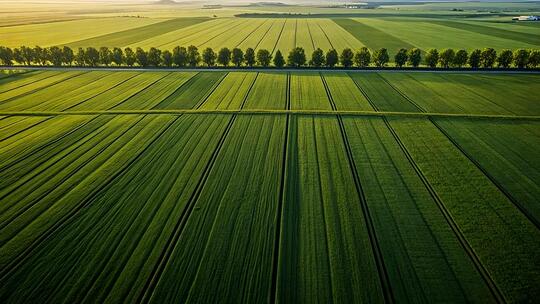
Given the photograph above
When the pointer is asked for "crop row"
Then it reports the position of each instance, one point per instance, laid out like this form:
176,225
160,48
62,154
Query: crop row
291,208
434,92
276,33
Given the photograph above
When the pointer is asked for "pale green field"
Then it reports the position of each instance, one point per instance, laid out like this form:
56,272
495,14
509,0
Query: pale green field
168,26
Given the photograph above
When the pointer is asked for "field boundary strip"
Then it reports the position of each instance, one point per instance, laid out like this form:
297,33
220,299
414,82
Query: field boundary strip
370,69
273,112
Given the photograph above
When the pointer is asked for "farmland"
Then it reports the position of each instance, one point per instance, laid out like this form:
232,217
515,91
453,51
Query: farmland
278,33
134,186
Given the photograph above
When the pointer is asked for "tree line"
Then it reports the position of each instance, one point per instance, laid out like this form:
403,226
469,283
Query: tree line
296,58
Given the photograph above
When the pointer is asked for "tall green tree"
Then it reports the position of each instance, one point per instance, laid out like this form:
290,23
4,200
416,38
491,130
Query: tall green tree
279,61
446,58
17,56
26,55
297,57
381,57
224,57
461,58
67,55
249,57
264,58
91,56
117,56
504,59
317,58
401,58
80,57
6,55
130,57
488,57
56,55
154,57
193,55
414,57
105,55
534,59
237,57
40,55
521,58
180,56
474,58
362,58
209,57
141,57
346,58
167,58
332,58
432,57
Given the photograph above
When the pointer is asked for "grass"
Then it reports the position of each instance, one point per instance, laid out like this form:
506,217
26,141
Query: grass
372,37
66,32
136,35
268,186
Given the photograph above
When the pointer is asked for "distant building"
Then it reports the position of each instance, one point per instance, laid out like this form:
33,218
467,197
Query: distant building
526,18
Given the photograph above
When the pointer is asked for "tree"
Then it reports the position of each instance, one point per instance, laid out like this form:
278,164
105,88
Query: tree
297,57
264,57
363,57
26,55
237,57
17,56
91,56
67,55
534,59
40,55
401,58
488,57
249,57
167,58
56,55
224,56
180,56
80,57
141,57
105,55
317,58
332,58
474,58
117,56
6,56
432,57
381,57
193,56
130,57
209,57
460,59
446,58
414,57
521,58
279,61
504,60
154,57
346,58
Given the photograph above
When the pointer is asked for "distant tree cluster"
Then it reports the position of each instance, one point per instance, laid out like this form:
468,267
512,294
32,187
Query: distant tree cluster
297,57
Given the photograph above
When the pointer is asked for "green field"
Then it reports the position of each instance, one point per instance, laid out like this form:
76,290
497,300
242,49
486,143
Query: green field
326,29
261,187
268,185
